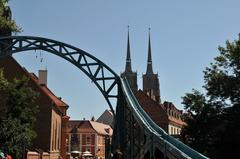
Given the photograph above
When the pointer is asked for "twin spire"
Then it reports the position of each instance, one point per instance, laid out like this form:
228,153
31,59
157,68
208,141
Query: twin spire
128,67
149,60
150,80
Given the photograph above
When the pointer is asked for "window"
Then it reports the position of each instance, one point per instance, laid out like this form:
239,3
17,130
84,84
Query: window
88,140
100,138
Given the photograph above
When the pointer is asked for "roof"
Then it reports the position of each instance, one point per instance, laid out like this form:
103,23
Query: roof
152,108
89,126
9,60
174,114
106,118
170,105
101,128
158,112
57,100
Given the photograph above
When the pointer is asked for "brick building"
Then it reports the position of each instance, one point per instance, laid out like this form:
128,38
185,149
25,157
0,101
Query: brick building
52,117
86,135
165,114
175,118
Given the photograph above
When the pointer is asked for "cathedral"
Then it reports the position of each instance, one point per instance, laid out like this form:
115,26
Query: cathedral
150,80
165,114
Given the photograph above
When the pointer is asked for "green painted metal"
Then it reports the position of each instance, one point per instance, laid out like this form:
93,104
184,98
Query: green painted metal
95,69
172,146
135,134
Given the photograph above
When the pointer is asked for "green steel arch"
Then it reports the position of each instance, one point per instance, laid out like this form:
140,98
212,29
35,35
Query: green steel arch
103,76
137,136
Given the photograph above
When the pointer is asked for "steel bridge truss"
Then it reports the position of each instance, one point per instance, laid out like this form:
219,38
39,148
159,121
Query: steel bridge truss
135,134
104,78
138,137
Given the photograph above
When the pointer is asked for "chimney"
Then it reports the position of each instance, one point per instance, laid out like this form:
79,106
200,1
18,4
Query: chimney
42,77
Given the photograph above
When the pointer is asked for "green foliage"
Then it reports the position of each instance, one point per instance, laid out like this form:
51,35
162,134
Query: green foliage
18,115
6,23
213,119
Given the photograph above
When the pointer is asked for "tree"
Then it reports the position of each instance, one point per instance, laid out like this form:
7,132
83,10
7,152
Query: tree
18,115
7,25
213,118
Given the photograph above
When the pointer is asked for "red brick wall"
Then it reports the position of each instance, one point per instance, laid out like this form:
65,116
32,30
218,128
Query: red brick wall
83,139
13,70
92,139
83,148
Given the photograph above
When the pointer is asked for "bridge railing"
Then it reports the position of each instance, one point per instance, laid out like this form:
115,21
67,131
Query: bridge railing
172,145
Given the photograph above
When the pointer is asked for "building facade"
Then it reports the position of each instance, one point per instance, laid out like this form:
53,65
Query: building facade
165,115
175,118
87,136
52,116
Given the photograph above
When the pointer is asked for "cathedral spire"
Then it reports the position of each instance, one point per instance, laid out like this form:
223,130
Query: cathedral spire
128,67
149,60
128,73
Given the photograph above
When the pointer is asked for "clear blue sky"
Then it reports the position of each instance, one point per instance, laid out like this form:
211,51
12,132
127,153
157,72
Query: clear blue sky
185,36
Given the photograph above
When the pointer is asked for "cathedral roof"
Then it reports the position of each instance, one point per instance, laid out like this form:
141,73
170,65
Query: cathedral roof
152,108
159,113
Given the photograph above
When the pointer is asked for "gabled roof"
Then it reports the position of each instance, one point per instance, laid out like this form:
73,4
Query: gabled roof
88,126
106,118
169,105
101,128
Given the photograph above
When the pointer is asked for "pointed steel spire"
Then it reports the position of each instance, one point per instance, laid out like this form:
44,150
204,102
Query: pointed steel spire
128,67
149,60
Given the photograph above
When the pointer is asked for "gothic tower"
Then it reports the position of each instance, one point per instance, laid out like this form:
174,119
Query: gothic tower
128,73
150,80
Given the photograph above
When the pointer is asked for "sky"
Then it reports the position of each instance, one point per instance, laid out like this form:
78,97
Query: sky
185,36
